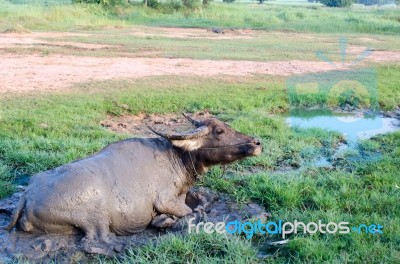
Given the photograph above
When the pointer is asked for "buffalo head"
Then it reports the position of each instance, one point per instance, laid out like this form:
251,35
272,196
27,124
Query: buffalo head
213,142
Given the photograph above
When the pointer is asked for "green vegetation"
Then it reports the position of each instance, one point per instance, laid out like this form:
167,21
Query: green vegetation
40,131
268,16
102,2
238,45
200,248
337,3
64,127
366,195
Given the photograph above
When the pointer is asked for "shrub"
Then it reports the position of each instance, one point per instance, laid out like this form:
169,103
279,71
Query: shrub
228,1
191,4
87,1
103,2
349,99
337,3
171,6
153,4
111,2
206,2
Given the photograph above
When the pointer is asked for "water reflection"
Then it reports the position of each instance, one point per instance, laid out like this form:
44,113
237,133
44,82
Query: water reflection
353,126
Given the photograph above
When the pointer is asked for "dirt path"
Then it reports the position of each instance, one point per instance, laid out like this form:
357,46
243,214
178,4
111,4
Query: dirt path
30,73
34,73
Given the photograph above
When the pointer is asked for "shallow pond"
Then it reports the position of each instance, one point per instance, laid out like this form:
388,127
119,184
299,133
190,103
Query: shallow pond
352,126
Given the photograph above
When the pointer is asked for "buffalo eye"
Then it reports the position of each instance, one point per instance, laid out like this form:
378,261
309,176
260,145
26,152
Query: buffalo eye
220,131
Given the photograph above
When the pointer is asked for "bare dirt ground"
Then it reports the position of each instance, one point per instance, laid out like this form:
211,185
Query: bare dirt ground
31,73
137,125
28,39
34,72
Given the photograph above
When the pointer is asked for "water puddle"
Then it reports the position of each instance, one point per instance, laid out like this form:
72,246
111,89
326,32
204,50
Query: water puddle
354,126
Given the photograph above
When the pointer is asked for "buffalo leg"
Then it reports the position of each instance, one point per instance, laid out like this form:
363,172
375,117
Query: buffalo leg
163,221
169,204
98,238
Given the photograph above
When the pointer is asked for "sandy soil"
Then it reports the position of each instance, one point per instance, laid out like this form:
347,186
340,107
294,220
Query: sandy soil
374,55
20,74
34,72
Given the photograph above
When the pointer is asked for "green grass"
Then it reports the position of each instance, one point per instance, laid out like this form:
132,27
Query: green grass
195,248
96,24
42,131
388,84
260,46
368,195
241,15
54,17
66,126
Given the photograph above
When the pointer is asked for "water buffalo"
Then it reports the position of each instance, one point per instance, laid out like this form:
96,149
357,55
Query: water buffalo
124,187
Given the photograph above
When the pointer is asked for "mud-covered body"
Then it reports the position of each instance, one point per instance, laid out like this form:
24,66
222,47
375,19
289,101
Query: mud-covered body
119,187
129,184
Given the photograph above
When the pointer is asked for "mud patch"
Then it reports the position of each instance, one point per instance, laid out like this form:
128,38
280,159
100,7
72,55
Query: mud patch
68,249
138,124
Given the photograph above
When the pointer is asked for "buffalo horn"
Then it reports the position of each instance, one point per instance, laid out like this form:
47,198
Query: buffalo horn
194,122
196,133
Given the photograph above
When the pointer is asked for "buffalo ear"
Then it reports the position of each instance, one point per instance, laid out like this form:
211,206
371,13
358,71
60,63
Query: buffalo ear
188,144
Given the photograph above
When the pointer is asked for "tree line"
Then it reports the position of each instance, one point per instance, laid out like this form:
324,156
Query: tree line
193,4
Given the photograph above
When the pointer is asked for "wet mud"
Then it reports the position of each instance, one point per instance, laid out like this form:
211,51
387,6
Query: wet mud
69,249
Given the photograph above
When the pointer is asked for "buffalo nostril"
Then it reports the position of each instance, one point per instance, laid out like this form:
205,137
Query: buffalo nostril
257,142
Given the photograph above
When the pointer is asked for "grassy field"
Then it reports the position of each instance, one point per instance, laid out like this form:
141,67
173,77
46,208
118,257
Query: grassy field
66,126
309,18
40,131
238,45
